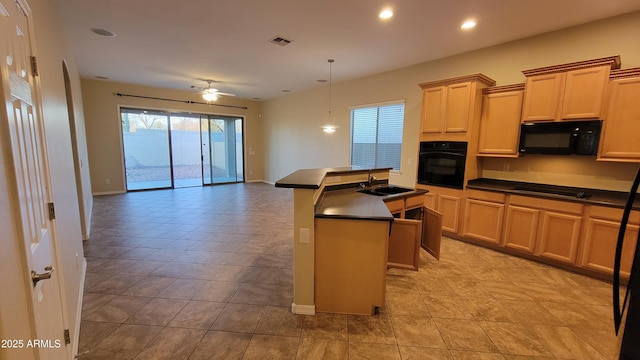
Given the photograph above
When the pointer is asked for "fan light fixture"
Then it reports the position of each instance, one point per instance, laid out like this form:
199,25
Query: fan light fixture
209,94
329,128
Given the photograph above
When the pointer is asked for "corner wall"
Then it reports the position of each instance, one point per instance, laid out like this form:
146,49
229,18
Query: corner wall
293,139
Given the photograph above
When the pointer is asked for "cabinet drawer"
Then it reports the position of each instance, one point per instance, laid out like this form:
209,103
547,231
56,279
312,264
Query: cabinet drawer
395,205
414,201
486,195
546,204
613,214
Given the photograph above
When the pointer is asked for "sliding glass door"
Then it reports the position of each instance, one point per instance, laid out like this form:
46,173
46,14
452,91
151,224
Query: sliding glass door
185,150
172,150
222,144
147,154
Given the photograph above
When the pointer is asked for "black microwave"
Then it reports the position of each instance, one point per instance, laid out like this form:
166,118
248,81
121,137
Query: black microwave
560,138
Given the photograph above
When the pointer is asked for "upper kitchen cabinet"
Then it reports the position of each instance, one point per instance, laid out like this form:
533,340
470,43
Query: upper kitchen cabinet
449,106
571,91
619,140
500,121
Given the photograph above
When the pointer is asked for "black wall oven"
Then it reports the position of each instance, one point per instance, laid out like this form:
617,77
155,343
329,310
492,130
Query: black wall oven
441,163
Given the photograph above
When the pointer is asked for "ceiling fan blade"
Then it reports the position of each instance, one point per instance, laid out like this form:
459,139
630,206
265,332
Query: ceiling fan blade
224,94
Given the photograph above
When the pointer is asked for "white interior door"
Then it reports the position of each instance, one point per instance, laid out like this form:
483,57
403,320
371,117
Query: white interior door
27,147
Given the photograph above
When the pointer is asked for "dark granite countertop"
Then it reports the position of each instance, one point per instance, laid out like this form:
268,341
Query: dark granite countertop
566,193
348,203
312,178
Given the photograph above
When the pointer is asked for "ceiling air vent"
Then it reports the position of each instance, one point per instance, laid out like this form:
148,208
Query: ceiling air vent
279,40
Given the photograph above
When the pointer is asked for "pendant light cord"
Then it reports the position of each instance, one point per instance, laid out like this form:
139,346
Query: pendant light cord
330,82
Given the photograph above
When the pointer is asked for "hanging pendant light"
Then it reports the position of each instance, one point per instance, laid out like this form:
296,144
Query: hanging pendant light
329,127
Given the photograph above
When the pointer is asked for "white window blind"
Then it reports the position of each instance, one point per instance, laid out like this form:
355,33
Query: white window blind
376,135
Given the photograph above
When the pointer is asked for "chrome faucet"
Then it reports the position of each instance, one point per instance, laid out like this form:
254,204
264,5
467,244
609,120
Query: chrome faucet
371,178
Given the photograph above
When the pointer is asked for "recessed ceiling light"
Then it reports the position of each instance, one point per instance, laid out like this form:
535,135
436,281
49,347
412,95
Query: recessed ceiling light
469,24
103,32
286,90
385,14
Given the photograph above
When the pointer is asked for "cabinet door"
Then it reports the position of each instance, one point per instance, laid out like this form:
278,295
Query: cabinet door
483,220
430,200
500,124
600,242
584,93
404,244
433,109
559,236
521,228
431,231
542,96
622,124
458,107
450,207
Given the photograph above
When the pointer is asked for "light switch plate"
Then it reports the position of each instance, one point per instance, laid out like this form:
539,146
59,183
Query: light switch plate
304,236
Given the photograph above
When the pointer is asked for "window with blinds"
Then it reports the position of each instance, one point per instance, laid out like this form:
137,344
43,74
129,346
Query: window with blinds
376,135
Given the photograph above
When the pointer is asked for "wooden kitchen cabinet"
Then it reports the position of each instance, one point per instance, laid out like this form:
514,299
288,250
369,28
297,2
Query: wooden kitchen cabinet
585,92
412,227
549,228
600,236
449,106
559,236
484,213
404,244
350,265
500,121
449,203
521,228
542,97
573,91
434,102
619,139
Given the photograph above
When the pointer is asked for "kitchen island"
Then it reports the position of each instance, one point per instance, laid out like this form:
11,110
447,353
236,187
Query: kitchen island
341,238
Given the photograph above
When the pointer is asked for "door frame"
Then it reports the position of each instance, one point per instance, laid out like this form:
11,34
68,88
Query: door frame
170,111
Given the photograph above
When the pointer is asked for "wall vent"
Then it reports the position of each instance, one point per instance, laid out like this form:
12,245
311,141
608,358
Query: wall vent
279,40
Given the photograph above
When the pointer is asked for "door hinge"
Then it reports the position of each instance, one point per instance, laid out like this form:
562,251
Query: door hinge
67,337
34,66
52,211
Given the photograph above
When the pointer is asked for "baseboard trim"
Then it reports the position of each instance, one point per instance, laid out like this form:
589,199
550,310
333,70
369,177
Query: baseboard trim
102,193
76,335
303,309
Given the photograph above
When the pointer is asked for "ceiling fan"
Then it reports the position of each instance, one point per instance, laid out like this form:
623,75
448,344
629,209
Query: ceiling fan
211,94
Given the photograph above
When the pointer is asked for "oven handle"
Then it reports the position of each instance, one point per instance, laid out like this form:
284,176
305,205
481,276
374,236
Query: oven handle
440,153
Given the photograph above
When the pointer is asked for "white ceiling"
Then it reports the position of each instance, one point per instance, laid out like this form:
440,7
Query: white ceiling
176,44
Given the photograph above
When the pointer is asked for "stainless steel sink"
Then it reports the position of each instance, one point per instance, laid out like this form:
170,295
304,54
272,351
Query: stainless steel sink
385,190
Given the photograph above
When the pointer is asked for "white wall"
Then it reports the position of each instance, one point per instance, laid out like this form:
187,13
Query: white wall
293,139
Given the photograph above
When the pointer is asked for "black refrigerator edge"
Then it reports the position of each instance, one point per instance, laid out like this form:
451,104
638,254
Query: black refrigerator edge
626,315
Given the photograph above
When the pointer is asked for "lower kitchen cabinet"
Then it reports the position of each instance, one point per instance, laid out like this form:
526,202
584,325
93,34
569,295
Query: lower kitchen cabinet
484,213
404,244
521,228
550,228
567,232
449,203
559,236
414,225
600,236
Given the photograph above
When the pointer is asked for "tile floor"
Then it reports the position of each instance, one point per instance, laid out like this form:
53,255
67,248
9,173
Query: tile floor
206,273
